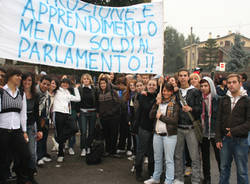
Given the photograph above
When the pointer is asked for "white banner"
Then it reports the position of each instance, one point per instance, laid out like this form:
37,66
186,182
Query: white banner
78,35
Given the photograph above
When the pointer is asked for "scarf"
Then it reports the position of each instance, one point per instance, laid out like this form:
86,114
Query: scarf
203,115
170,108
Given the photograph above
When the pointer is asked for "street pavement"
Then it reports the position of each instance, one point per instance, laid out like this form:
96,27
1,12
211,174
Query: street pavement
74,170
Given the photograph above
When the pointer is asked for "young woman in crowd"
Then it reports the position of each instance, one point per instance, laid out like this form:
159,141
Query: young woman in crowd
34,132
173,81
87,109
145,129
62,112
128,101
195,80
109,109
165,112
54,85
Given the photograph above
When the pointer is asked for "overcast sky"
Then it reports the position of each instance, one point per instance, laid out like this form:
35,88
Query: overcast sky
216,16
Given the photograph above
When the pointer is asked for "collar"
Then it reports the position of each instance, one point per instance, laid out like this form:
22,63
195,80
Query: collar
243,92
89,86
6,87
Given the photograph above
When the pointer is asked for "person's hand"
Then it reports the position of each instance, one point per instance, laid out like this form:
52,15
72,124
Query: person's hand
186,108
144,93
158,99
25,135
39,135
97,115
219,145
176,89
158,115
228,132
77,85
161,80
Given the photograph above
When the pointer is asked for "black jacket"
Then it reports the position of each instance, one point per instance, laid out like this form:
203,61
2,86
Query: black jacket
238,120
193,99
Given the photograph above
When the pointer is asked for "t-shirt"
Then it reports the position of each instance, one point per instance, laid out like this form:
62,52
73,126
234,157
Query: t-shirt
161,126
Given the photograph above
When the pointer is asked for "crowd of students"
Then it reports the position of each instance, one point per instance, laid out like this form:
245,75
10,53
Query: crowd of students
140,115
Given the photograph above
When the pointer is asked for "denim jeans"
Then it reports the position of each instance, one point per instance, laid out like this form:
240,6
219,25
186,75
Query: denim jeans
187,135
166,145
87,123
145,147
31,131
42,144
237,149
249,138
72,141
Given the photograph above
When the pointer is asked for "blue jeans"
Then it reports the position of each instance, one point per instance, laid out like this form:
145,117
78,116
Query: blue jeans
236,148
166,145
72,141
42,144
87,123
31,131
249,138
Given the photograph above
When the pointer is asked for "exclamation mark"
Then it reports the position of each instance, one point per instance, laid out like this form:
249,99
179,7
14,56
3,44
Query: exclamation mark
152,64
146,64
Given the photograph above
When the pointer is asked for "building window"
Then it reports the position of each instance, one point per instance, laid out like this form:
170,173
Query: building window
227,43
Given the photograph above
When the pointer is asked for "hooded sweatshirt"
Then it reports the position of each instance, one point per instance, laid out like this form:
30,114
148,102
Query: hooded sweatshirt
209,110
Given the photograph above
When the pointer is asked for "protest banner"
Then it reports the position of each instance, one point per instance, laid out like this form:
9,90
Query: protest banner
78,35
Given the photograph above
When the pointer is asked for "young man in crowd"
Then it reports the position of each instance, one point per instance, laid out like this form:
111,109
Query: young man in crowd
44,110
186,129
210,102
13,136
232,126
245,83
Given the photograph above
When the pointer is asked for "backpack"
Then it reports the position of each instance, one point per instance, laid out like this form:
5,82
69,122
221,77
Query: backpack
95,157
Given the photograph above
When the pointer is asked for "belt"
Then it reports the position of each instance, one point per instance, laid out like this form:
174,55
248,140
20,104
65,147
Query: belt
186,128
10,130
161,134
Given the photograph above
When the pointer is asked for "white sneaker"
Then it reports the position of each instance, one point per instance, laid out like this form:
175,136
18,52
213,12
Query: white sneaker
120,151
46,159
88,151
178,182
83,153
60,159
151,181
40,162
56,145
71,151
129,153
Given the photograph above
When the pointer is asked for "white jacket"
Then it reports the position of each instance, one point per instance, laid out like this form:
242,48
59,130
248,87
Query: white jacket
63,98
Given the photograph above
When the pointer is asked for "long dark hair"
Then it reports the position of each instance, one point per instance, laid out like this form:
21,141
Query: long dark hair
33,86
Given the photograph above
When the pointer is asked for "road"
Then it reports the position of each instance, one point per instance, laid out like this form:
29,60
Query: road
74,170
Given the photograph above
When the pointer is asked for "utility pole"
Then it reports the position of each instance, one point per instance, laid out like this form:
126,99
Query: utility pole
191,42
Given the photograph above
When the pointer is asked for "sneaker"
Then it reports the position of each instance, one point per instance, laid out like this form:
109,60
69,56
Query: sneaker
188,171
83,153
60,159
71,151
129,153
120,151
146,160
46,159
56,145
131,158
88,151
178,182
151,181
40,162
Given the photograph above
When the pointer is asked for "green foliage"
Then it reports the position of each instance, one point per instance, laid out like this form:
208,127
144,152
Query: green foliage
195,39
239,59
210,55
173,54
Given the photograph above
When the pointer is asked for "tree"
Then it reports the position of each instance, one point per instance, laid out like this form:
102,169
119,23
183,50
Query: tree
239,59
195,39
173,54
210,54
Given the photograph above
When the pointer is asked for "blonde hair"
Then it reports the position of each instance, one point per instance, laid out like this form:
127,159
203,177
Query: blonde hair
88,76
195,75
102,75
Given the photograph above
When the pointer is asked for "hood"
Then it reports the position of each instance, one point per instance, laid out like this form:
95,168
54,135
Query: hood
212,86
243,92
